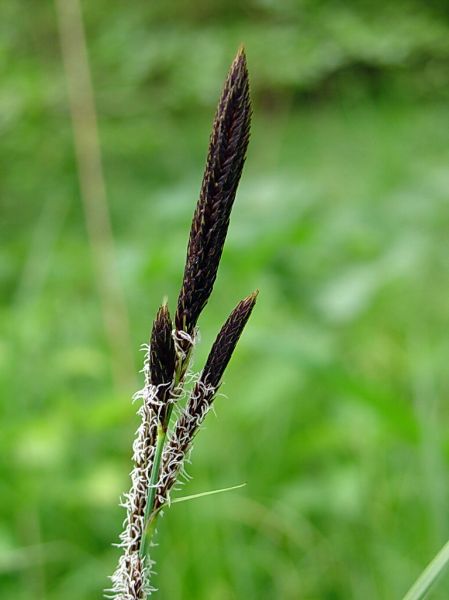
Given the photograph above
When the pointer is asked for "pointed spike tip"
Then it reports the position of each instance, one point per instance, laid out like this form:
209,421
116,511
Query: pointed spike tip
241,53
162,312
239,64
227,339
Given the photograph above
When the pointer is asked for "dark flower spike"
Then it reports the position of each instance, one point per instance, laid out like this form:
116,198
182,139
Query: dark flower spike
162,360
201,399
225,159
162,349
226,342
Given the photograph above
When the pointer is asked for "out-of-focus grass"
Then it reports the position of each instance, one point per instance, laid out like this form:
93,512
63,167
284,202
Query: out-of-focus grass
336,415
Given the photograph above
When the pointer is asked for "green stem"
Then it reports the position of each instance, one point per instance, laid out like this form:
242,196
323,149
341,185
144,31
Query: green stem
150,516
152,488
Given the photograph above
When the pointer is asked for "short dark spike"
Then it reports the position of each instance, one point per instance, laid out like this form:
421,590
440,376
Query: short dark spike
226,341
162,349
225,160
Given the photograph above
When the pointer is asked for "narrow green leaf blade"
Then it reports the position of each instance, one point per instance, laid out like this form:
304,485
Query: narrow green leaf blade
429,576
210,493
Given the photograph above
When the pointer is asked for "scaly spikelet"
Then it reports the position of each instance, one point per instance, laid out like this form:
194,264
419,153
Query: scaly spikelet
225,160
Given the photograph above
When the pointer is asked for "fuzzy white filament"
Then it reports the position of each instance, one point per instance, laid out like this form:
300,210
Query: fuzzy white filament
131,578
177,450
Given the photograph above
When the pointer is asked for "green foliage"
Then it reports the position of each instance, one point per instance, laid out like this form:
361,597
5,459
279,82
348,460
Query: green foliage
336,414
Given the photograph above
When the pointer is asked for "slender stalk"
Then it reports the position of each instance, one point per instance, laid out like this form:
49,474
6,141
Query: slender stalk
152,488
150,514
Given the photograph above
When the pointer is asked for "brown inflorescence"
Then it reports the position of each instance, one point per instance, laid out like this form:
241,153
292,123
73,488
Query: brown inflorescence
158,460
225,160
162,361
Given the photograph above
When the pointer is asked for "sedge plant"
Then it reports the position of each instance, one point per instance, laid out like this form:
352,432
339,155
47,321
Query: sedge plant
163,442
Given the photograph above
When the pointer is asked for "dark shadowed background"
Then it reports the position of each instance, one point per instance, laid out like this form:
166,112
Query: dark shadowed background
337,413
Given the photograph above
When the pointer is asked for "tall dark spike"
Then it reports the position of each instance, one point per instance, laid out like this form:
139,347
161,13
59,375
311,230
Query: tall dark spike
225,160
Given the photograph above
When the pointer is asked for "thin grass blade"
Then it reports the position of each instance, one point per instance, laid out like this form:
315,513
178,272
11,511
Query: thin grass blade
429,576
209,493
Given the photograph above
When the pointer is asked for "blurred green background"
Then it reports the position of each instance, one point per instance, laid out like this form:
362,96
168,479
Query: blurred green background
337,414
